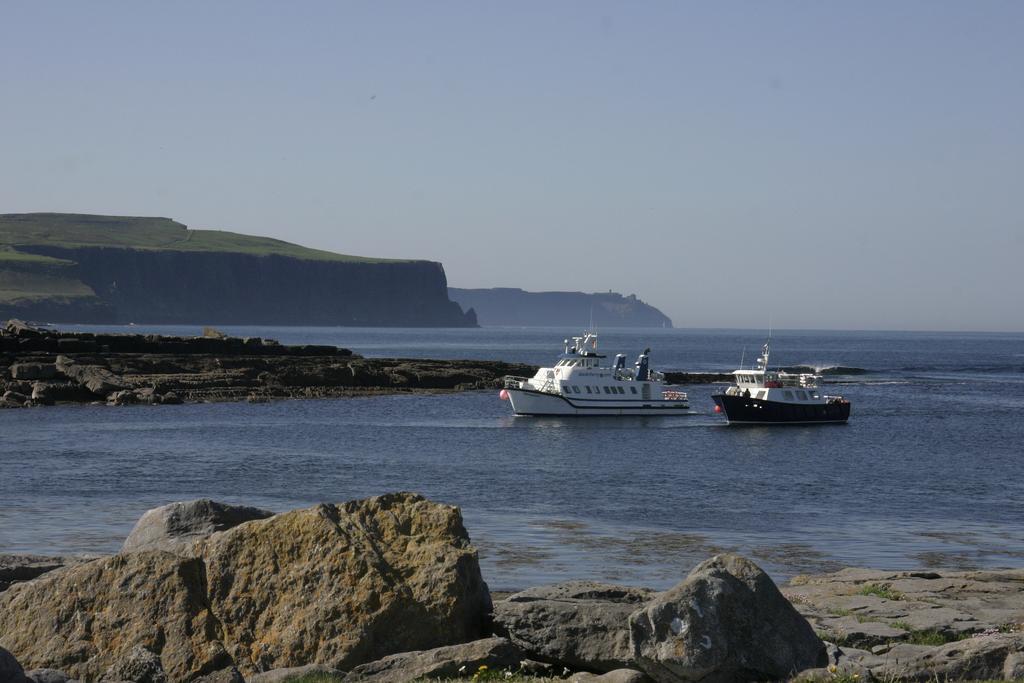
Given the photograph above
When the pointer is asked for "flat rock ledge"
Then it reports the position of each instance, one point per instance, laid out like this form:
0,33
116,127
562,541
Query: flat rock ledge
41,367
389,589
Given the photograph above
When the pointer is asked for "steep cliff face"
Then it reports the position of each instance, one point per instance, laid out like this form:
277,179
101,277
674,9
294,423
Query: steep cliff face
508,306
135,285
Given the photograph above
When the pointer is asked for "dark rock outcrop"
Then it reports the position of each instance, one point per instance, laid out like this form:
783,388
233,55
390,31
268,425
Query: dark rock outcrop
616,676
125,369
726,622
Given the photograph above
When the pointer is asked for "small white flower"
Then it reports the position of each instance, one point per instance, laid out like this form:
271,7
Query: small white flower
462,669
508,674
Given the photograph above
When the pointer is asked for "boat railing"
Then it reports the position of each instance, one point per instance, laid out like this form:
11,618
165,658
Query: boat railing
785,379
514,382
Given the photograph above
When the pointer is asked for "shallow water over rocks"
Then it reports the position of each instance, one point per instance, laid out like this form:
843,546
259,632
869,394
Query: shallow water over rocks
927,473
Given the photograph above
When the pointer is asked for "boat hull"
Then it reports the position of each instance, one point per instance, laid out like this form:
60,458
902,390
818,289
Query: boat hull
527,402
744,410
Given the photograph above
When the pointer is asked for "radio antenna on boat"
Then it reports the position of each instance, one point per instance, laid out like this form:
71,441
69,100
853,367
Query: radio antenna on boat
743,356
762,360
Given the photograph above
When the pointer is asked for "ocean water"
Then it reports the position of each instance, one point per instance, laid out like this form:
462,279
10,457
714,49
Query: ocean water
929,472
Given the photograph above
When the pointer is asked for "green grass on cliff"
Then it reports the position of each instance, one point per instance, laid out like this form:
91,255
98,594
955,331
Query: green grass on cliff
28,277
133,232
9,256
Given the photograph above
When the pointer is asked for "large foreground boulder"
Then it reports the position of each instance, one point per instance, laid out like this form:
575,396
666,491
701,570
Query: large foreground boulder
175,527
726,622
339,585
85,619
346,584
578,624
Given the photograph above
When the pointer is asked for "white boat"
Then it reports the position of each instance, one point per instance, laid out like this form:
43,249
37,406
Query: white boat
579,385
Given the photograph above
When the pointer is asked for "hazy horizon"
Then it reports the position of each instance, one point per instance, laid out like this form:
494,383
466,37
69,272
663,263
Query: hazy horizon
827,166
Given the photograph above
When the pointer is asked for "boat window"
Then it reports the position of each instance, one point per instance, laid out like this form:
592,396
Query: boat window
607,390
620,390
575,389
633,389
788,395
589,391
566,389
803,395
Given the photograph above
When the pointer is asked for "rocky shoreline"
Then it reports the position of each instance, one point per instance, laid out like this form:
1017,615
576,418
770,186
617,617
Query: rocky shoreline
42,367
390,589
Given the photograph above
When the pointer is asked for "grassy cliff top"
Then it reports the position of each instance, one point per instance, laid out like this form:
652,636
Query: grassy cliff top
133,232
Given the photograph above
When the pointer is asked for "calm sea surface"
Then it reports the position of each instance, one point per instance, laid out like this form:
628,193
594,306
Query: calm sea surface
929,471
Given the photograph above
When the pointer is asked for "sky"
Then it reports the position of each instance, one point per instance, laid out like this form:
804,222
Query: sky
821,165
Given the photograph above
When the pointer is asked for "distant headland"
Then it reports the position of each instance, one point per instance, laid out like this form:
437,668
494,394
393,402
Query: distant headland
515,307
85,268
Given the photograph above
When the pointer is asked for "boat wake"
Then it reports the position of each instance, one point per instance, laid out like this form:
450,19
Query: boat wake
826,370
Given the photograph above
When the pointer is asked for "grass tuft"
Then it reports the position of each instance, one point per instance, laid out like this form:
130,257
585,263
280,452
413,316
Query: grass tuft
881,591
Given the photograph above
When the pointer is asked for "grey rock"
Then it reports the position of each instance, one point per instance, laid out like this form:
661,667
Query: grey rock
14,398
41,394
291,673
955,603
97,379
229,675
31,371
174,527
979,658
726,622
616,676
1013,667
578,624
17,568
10,669
138,666
20,328
48,676
122,398
843,662
443,662
863,634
